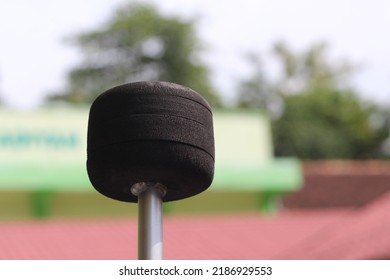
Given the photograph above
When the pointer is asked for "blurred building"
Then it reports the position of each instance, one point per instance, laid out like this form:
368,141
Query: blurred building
43,155
341,212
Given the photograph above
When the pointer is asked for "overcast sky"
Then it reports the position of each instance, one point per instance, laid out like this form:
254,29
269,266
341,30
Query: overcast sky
34,59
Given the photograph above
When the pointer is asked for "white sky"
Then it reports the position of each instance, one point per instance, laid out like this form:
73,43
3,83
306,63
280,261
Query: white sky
34,59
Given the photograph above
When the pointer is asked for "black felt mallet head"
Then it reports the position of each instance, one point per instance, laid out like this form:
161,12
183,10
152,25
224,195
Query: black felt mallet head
150,132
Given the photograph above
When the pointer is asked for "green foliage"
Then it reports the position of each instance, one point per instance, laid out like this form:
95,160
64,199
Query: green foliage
328,124
256,91
310,70
138,43
317,115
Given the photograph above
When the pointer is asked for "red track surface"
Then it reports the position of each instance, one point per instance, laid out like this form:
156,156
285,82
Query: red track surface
332,234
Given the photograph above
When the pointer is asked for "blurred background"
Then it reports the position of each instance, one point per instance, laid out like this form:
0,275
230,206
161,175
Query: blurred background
301,110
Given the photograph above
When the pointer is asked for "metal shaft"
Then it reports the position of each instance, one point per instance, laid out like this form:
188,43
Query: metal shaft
150,230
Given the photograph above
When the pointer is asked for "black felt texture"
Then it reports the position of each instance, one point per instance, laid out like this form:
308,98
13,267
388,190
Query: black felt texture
150,132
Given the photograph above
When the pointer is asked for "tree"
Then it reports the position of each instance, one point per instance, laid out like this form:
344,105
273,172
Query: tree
257,91
328,124
138,43
319,115
310,70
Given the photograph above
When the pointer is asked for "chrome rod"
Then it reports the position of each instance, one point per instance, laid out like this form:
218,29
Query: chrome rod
150,226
